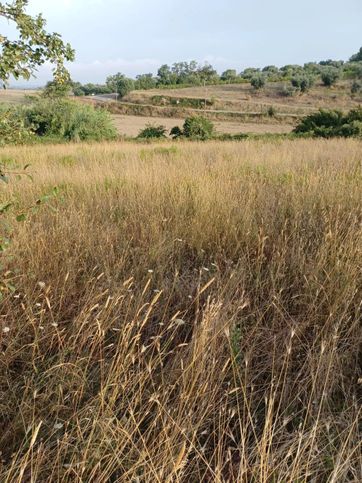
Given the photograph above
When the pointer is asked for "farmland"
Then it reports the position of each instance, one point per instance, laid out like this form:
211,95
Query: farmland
182,312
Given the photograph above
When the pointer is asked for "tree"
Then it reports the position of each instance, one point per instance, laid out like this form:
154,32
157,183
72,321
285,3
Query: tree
34,46
145,81
229,75
303,83
357,57
207,73
120,83
164,75
330,76
258,82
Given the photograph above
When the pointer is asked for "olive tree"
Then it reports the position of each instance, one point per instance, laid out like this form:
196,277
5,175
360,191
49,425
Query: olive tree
33,47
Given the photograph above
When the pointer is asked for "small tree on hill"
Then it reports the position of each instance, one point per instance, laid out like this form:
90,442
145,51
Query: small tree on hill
258,82
303,83
330,76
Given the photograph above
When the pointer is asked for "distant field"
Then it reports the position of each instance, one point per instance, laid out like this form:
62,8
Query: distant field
15,96
131,125
242,97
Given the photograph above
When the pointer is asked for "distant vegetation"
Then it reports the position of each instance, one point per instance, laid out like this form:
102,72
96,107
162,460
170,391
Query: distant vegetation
182,74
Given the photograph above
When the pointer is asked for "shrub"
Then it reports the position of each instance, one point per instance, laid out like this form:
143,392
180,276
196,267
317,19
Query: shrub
195,127
288,91
271,111
64,119
176,132
12,128
258,82
330,76
356,87
198,127
332,123
152,131
303,83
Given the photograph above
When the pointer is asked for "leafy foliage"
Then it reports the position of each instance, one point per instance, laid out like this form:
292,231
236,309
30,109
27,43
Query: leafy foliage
330,76
68,120
120,83
195,127
12,128
302,82
151,131
55,118
35,46
357,57
332,123
258,81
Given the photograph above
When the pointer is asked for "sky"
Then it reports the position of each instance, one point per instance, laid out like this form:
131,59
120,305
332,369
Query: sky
137,36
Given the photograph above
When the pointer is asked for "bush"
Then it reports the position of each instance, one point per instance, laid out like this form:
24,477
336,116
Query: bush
68,120
330,76
288,91
198,127
271,111
12,128
303,83
356,87
332,123
195,127
152,131
176,132
258,82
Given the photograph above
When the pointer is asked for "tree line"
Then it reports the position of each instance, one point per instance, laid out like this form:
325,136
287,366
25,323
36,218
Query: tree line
301,77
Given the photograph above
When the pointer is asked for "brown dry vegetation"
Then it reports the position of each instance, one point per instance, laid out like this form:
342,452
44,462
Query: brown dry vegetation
132,125
15,96
243,98
184,314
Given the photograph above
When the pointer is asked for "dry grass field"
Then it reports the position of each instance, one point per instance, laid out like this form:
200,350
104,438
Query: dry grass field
132,125
182,312
15,96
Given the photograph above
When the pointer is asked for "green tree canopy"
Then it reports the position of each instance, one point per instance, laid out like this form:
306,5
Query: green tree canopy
120,83
357,57
33,47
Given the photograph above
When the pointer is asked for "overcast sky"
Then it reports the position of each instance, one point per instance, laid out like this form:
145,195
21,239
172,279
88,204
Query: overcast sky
137,36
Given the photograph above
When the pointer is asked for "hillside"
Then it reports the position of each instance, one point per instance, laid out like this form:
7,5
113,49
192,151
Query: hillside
235,107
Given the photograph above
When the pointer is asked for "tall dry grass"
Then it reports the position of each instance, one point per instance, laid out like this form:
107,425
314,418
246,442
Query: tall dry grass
183,314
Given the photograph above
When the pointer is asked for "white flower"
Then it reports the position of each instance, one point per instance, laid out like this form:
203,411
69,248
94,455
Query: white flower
41,284
6,330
